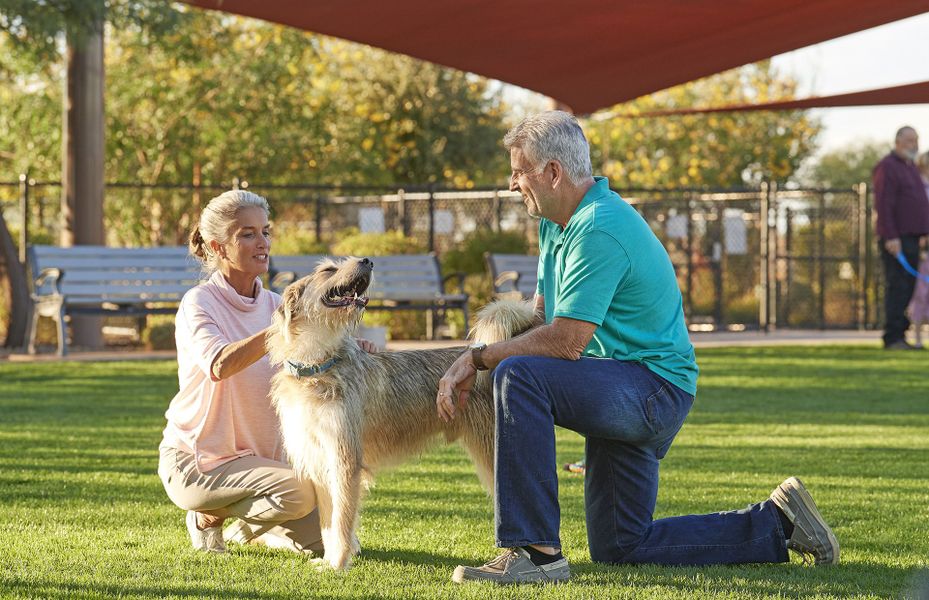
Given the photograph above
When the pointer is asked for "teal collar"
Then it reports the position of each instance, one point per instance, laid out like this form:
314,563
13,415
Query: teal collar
299,369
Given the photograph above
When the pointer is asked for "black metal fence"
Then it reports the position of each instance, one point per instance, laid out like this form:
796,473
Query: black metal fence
746,258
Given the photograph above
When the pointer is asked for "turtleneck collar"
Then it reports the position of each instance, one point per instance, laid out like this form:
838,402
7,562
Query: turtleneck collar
232,297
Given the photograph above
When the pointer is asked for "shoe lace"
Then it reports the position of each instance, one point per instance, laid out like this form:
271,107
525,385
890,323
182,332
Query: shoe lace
502,561
807,556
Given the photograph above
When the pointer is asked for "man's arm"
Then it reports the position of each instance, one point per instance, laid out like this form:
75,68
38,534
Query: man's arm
563,338
884,199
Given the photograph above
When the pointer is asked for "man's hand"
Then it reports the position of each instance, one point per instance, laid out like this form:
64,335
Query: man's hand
366,345
455,387
893,246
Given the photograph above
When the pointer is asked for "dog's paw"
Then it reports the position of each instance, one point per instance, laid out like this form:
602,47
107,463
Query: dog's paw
356,545
333,562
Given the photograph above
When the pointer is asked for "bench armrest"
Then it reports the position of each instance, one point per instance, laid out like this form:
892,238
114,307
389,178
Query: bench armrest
461,278
282,279
507,277
49,275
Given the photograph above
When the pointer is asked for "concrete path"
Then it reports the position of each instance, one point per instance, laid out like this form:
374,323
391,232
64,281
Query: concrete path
716,339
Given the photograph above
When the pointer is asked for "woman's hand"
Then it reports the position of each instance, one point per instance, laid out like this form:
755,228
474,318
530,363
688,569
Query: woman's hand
366,345
455,387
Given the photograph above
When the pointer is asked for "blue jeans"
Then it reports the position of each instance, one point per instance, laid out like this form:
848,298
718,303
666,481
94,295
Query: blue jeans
629,416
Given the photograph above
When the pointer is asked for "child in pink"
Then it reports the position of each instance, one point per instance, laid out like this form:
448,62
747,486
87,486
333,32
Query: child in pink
919,303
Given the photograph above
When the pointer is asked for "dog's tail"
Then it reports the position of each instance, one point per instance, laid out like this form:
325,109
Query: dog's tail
502,319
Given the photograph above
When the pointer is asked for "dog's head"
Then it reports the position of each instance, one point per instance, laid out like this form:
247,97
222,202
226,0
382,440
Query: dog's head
324,307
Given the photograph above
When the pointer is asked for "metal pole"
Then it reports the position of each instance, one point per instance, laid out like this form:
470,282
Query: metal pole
318,203
719,254
24,211
401,206
863,226
431,218
821,260
771,222
764,274
688,293
495,224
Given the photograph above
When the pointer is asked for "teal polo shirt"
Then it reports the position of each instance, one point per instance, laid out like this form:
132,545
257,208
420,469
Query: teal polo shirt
608,268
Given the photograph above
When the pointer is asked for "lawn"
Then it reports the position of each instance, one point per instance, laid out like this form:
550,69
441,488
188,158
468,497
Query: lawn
83,515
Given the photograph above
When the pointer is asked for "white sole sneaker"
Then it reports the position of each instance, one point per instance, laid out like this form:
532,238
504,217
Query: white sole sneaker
205,540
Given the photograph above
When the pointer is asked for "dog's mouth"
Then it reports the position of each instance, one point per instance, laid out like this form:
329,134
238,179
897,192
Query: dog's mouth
350,294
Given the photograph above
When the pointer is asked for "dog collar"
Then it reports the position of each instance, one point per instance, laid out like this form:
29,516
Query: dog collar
299,369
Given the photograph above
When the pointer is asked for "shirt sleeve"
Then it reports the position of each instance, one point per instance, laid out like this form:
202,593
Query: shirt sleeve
204,338
885,192
596,265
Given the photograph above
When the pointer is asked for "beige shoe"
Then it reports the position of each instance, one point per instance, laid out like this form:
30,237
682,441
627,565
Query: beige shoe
514,566
209,539
812,538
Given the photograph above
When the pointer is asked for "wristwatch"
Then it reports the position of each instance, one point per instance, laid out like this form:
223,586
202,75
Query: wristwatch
476,350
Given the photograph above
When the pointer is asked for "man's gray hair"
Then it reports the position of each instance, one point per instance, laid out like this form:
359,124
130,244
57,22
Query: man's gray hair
553,135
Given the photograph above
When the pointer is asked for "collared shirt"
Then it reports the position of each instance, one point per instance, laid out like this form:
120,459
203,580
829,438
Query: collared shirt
607,267
899,199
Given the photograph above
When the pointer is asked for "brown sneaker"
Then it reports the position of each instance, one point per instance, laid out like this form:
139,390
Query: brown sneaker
514,566
811,538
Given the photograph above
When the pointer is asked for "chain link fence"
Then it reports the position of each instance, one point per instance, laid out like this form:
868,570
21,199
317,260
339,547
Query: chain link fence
745,259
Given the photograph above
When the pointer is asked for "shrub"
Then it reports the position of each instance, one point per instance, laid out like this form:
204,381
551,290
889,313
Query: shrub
159,332
353,243
291,239
468,257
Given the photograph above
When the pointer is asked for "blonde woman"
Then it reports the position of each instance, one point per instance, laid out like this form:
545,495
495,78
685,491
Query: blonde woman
221,456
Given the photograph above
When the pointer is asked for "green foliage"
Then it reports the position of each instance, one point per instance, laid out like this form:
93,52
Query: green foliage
355,243
291,239
468,255
846,168
159,332
725,149
85,515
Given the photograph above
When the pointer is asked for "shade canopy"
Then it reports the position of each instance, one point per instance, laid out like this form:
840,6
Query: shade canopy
911,93
586,54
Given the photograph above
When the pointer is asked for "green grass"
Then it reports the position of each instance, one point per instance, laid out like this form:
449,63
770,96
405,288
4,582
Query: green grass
83,515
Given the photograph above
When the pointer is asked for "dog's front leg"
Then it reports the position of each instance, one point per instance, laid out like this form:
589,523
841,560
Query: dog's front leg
344,483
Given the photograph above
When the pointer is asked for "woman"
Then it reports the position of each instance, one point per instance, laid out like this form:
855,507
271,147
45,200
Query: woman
221,455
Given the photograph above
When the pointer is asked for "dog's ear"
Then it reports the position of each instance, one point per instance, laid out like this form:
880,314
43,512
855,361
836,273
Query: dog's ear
289,301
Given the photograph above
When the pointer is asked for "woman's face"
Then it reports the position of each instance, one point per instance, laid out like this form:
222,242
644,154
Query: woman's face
249,245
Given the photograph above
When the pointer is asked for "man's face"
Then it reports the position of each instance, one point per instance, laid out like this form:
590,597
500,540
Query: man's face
527,180
907,144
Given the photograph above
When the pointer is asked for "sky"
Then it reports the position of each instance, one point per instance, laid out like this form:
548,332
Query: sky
892,54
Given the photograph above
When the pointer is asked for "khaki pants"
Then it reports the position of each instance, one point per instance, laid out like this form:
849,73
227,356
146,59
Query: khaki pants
263,494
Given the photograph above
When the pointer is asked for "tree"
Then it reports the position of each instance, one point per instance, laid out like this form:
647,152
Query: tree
847,167
724,149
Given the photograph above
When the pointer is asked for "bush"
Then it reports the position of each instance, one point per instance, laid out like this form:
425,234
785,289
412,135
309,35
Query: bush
290,239
353,243
159,332
468,257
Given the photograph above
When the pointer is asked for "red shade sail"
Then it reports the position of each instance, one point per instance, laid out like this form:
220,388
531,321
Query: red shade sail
913,93
586,54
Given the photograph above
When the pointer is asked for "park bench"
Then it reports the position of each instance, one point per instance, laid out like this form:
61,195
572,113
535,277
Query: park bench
513,273
98,280
401,282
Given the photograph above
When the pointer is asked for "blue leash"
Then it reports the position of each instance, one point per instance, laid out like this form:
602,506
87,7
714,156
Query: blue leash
909,268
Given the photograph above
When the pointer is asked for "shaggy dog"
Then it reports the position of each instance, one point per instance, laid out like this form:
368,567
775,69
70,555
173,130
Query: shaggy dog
346,413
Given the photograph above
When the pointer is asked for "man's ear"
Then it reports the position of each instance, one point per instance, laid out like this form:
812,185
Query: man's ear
558,175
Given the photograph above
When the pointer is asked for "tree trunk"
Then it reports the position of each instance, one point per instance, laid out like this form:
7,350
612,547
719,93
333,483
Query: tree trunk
19,292
82,159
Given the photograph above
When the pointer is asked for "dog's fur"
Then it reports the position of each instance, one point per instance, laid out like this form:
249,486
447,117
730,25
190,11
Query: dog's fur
369,410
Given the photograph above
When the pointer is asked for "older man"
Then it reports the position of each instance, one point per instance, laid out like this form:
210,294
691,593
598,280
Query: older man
612,361
902,219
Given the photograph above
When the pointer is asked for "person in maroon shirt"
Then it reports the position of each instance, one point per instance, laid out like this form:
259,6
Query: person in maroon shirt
902,220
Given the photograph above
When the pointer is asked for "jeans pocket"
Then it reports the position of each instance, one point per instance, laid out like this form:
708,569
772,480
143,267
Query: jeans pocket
660,410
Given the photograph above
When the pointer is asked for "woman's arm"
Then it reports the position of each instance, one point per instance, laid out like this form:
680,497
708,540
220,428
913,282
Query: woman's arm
239,355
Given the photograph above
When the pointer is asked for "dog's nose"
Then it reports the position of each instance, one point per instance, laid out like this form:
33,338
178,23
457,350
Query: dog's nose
367,262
